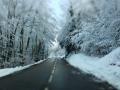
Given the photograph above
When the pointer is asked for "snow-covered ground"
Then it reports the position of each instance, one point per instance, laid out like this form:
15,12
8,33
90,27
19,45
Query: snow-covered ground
106,68
8,71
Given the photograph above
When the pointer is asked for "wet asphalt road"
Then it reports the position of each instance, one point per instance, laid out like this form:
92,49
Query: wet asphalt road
52,75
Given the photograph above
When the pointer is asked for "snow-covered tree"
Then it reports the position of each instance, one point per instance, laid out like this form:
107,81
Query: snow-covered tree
26,31
94,27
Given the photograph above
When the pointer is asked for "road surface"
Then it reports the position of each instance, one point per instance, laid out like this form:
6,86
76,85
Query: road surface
52,75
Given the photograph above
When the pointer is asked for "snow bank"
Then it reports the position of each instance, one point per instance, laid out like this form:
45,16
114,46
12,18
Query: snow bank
112,58
7,71
106,68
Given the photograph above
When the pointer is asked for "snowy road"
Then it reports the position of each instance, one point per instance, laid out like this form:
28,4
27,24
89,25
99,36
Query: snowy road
51,75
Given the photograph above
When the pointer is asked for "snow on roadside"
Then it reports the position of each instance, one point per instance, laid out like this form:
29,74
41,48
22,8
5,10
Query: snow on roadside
8,71
106,68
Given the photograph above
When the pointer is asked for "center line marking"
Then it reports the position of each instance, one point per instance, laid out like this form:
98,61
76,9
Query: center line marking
51,76
50,79
52,73
46,88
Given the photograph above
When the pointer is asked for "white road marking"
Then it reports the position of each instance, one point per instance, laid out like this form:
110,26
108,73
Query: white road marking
51,76
50,79
46,88
52,73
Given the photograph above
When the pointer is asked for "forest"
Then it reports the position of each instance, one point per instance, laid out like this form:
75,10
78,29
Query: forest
26,32
93,27
75,40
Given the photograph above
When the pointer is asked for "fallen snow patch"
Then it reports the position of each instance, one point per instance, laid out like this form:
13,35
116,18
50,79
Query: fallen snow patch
106,68
8,71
